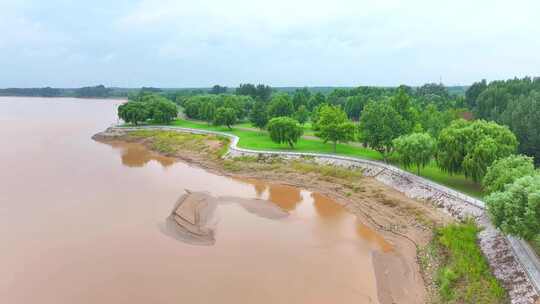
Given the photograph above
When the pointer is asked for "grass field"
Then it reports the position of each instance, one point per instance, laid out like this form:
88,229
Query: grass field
464,275
259,140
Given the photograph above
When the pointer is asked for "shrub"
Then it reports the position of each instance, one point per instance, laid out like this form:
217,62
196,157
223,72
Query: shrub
516,210
505,171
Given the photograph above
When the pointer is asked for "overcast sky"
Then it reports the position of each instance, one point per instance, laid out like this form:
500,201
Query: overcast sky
199,43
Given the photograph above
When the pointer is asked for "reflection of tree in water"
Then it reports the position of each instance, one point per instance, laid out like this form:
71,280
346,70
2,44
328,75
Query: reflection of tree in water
326,207
287,197
371,235
259,186
137,156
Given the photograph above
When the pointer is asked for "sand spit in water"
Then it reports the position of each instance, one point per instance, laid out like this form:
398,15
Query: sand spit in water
194,218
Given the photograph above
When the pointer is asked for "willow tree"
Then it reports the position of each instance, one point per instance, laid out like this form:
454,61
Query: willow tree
416,149
284,130
471,147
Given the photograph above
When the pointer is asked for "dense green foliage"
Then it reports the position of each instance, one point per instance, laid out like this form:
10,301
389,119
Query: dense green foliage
516,210
259,115
39,92
302,114
384,114
465,276
433,120
379,125
203,107
133,112
333,125
148,107
281,105
354,106
225,116
402,104
260,92
515,103
505,171
415,149
316,100
217,89
522,115
98,91
251,139
471,147
301,98
284,130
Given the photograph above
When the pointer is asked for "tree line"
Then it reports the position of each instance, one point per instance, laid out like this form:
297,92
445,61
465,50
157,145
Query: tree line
148,107
512,182
413,126
515,103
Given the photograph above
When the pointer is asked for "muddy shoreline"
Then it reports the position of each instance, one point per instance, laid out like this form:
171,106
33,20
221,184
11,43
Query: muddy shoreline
403,222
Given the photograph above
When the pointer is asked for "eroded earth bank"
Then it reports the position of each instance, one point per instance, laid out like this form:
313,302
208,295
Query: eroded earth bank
378,262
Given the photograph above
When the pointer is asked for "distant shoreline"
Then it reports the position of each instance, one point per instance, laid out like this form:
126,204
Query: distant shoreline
65,97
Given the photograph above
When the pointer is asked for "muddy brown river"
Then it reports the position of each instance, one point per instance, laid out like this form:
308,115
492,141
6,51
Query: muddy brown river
83,222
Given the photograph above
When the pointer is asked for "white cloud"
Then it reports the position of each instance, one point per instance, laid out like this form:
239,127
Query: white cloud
281,42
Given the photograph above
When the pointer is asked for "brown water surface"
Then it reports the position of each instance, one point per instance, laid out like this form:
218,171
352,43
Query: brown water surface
80,223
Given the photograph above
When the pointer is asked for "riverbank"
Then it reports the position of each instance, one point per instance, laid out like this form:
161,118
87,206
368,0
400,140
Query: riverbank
259,140
403,220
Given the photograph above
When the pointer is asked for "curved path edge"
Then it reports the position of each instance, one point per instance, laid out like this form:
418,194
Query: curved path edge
512,260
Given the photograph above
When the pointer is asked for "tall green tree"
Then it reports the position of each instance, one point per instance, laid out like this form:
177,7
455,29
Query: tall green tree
416,149
281,105
491,103
161,110
259,115
471,147
472,93
433,120
334,126
379,125
516,210
402,104
208,111
284,130
302,114
301,98
505,171
433,89
133,112
225,116
522,115
316,100
217,89
354,106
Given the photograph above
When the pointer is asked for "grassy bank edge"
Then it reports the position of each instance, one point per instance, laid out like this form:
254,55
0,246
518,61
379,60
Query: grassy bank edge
458,269
259,140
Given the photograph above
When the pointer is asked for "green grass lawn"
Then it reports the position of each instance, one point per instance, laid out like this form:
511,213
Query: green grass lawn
259,140
456,181
306,127
464,276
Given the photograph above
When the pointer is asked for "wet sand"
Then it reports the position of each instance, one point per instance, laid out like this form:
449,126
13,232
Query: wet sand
82,222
